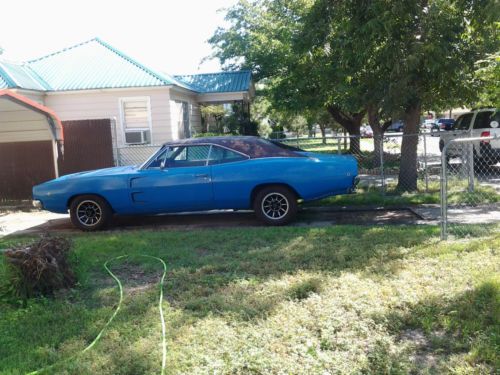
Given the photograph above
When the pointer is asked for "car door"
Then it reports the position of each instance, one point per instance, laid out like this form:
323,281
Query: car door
179,179
461,129
232,178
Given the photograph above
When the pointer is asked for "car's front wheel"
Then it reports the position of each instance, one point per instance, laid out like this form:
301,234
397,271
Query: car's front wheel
275,205
90,212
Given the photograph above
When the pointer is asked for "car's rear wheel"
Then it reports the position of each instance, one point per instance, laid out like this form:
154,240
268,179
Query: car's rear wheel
90,212
275,205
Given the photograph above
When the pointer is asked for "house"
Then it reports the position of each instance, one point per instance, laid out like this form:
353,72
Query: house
108,101
93,80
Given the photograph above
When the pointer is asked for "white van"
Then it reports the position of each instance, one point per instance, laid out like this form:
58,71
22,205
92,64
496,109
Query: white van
478,123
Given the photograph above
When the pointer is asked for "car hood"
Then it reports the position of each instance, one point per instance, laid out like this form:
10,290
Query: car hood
113,171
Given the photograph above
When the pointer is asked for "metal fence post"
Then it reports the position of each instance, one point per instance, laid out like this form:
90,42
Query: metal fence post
444,190
470,159
382,175
426,172
339,146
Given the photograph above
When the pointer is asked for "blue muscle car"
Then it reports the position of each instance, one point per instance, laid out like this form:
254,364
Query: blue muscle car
201,174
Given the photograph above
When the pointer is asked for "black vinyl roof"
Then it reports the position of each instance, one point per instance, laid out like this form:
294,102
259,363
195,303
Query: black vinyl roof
254,147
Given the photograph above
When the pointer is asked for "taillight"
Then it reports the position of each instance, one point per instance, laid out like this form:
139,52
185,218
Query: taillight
485,134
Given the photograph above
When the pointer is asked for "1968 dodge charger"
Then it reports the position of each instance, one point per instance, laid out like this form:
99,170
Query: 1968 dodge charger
202,174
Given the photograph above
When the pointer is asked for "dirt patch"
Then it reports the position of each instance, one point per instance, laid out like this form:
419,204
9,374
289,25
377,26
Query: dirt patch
202,252
423,357
134,278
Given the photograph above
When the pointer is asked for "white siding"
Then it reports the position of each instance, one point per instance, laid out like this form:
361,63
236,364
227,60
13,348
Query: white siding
194,110
106,104
21,124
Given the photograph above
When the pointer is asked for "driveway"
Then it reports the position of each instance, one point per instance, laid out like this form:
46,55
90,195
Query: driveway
37,222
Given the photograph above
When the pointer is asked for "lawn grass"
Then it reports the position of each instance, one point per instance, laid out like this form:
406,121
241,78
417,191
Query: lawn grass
345,299
375,196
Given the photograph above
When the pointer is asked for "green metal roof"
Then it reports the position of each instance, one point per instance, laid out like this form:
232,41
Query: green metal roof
218,82
95,64
3,83
19,75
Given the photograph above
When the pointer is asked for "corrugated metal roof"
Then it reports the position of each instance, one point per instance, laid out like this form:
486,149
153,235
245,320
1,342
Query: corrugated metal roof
95,64
218,82
19,75
3,83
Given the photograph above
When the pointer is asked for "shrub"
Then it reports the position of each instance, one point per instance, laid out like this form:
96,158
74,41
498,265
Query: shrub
38,269
200,135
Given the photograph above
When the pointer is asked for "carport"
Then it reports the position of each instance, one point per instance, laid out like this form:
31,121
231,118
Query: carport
31,137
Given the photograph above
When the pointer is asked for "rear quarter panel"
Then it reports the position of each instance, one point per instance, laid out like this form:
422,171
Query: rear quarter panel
311,178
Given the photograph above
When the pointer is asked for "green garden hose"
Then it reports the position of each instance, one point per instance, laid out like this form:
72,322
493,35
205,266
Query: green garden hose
120,288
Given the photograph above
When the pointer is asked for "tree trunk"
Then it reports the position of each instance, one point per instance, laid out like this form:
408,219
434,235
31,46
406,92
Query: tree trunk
323,133
354,138
407,180
378,148
378,134
350,122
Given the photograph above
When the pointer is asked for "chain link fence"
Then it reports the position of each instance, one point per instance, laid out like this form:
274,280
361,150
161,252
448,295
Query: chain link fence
470,188
380,159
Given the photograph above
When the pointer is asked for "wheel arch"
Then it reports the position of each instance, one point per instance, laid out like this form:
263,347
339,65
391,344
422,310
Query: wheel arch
259,187
74,196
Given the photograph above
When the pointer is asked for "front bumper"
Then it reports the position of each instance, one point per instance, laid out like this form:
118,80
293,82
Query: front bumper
37,204
354,184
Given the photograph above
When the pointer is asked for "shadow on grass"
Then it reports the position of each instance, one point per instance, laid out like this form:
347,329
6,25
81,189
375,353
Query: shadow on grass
229,277
467,325
210,272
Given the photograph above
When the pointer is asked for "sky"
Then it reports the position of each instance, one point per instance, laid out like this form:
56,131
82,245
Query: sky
166,35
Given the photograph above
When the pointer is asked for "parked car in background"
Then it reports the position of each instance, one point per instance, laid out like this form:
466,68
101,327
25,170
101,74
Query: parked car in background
366,131
200,174
478,123
446,123
430,124
396,126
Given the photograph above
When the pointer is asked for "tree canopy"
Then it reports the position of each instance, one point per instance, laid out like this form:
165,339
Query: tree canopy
354,57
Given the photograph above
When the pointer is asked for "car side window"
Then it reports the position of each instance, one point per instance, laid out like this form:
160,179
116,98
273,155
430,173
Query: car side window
156,163
221,155
463,122
187,156
483,120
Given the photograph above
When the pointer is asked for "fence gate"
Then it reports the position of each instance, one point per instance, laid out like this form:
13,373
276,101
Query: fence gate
470,189
23,165
88,144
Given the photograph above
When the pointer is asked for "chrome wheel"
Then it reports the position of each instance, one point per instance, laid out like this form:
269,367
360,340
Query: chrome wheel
89,213
275,206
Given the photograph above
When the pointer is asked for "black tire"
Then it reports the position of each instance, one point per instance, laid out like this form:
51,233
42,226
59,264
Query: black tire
90,212
275,205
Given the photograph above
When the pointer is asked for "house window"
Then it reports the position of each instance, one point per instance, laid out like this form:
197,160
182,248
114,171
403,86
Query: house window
136,120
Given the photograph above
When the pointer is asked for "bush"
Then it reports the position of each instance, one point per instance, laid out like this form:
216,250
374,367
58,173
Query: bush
40,268
210,134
